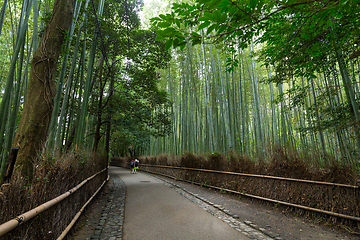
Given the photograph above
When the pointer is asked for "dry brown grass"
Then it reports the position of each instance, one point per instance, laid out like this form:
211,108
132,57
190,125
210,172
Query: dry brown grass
51,179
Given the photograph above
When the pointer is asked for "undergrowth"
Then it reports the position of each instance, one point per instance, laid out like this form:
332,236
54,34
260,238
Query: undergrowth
279,163
51,179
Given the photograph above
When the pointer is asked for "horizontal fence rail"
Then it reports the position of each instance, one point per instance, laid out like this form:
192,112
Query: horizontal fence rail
8,226
68,228
255,175
331,213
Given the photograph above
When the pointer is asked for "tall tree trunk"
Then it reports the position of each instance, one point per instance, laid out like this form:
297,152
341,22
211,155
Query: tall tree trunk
35,118
108,124
97,136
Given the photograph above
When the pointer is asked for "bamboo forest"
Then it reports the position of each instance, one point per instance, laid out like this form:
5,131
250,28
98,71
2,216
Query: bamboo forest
246,76
124,78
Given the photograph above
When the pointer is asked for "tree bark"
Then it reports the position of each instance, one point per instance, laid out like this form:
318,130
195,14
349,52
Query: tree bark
35,118
97,136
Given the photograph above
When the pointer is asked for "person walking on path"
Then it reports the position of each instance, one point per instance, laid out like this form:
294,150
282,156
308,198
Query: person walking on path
136,165
132,166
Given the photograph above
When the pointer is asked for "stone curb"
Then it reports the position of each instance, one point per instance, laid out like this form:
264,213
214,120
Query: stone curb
110,226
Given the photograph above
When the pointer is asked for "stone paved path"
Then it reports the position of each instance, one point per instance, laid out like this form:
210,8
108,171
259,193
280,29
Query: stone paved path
247,228
154,211
111,223
106,220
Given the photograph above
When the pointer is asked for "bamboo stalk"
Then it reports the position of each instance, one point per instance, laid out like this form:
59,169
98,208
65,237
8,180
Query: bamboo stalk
35,25
2,16
273,113
58,141
53,126
8,226
11,73
16,102
87,90
5,105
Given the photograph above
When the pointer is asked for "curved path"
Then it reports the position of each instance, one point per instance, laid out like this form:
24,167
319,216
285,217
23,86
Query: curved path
144,206
155,211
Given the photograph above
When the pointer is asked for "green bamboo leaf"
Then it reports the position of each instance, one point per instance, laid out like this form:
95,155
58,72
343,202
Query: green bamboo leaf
209,16
204,25
196,41
201,19
168,44
223,17
211,28
178,24
196,35
181,39
175,43
252,4
182,45
159,38
222,29
213,4
217,15
168,31
163,17
155,19
163,24
224,3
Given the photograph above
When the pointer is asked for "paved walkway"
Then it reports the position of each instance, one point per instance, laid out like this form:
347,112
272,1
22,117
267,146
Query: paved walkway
157,209
110,226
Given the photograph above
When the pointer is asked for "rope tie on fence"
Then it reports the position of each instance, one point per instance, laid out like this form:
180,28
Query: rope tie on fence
20,220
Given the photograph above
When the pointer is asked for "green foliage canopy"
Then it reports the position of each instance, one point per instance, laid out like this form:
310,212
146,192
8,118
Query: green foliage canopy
138,108
295,31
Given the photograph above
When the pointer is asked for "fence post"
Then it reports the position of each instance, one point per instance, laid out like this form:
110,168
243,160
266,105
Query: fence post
10,165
